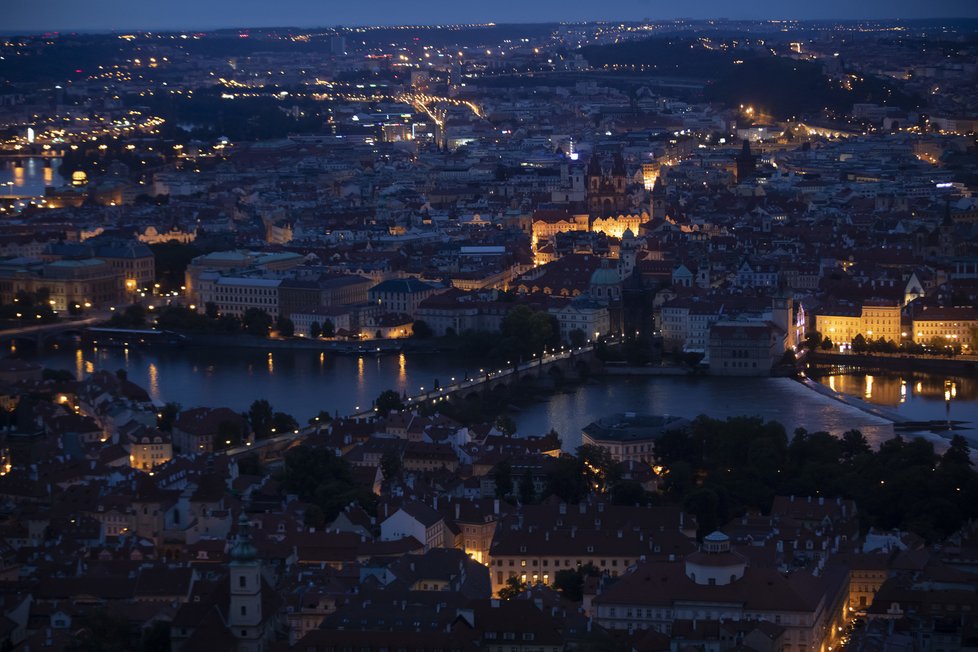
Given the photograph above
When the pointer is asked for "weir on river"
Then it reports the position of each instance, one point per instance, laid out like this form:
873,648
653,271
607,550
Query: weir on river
305,383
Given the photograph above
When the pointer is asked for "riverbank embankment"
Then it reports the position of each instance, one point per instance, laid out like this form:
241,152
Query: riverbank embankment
958,366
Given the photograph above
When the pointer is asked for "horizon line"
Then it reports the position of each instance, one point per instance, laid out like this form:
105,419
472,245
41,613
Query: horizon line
443,25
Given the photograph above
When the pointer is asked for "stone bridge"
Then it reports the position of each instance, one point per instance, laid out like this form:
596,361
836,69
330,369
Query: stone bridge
564,362
38,335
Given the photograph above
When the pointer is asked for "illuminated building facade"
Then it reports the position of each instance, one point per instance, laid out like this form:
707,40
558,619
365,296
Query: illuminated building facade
606,187
87,283
955,326
545,224
149,449
873,320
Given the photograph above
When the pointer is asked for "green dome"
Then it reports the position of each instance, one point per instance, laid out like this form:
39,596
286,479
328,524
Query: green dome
243,550
605,275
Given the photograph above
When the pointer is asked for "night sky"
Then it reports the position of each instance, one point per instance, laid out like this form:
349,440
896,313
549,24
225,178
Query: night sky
68,15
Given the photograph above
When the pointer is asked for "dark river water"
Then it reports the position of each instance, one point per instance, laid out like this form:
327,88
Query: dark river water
304,382
28,176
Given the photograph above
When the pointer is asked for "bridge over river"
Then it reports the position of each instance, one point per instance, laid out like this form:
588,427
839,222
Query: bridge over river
565,360
38,333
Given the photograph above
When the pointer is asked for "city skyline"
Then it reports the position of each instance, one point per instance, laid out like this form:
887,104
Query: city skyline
111,15
635,335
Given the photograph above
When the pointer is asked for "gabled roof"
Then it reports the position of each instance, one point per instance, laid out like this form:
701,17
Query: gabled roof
422,513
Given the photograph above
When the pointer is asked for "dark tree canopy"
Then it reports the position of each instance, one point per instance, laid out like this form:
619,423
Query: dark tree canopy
570,581
513,587
256,322
285,327
421,329
527,489
390,464
261,417
742,463
530,331
388,401
502,477
166,416
318,476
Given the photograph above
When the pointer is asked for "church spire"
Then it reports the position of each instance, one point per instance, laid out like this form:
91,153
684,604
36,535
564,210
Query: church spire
659,187
745,152
746,163
618,166
594,166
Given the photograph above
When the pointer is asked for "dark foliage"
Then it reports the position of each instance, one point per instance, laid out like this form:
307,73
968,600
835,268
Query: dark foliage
319,477
719,469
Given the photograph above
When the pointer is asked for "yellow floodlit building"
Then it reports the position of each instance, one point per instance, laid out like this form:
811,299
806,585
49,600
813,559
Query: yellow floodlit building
955,326
872,320
615,226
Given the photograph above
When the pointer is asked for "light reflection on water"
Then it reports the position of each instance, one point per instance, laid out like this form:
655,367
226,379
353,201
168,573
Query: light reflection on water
780,399
303,383
919,397
154,382
28,176
916,397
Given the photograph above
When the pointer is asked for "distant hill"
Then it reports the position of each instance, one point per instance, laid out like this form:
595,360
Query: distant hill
783,87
